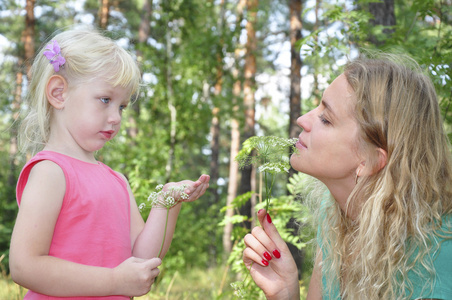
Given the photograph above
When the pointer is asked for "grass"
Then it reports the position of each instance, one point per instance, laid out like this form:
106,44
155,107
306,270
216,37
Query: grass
195,284
9,290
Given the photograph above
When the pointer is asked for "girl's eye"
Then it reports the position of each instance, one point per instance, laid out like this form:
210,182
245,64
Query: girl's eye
323,120
122,107
105,100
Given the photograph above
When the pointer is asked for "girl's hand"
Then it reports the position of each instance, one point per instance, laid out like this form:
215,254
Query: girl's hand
135,276
270,262
194,190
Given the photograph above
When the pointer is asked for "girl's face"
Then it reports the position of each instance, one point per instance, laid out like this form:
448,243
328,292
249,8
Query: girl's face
327,146
91,115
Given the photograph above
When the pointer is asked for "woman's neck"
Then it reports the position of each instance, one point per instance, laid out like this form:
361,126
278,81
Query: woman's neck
341,193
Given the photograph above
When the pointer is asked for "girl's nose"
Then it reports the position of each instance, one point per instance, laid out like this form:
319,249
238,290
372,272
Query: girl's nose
115,117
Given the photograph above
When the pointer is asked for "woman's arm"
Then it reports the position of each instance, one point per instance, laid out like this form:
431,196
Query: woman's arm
33,268
147,238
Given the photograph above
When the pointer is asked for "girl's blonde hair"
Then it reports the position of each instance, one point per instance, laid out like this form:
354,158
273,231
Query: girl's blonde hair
402,204
89,54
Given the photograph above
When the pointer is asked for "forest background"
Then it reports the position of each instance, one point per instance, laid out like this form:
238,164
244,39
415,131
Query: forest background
215,73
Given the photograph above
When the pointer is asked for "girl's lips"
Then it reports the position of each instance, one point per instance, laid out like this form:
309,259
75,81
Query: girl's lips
108,134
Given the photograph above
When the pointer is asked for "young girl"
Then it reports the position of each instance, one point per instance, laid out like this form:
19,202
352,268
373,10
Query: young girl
385,225
79,232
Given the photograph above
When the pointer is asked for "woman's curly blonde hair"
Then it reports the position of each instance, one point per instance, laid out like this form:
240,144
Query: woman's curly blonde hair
402,204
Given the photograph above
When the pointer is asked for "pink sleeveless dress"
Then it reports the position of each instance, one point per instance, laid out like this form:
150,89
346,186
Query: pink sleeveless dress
93,227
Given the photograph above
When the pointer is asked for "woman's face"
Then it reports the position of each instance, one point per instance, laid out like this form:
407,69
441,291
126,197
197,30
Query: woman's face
328,145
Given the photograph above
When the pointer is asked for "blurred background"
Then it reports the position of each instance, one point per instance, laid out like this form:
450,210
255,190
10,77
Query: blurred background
215,72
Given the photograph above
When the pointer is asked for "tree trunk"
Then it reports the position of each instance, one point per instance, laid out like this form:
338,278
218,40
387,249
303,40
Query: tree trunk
315,89
215,124
144,31
248,182
383,13
215,150
295,70
295,9
28,36
233,180
171,106
235,142
103,13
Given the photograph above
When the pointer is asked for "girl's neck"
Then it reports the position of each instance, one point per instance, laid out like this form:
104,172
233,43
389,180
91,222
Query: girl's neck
80,155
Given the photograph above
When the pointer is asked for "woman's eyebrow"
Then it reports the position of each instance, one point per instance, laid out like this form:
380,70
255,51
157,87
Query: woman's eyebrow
328,107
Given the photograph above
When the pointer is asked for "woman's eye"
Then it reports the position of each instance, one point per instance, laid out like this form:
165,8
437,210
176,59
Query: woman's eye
105,100
323,120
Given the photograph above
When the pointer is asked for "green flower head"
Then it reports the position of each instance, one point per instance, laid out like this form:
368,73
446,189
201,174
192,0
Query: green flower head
270,152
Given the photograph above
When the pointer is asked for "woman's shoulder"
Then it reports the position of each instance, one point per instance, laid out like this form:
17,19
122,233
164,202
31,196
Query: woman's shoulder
441,255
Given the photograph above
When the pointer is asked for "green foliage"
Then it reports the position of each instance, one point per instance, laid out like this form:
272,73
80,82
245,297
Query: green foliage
423,30
189,43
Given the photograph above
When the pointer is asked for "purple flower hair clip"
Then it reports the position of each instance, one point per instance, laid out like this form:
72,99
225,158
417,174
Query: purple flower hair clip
53,54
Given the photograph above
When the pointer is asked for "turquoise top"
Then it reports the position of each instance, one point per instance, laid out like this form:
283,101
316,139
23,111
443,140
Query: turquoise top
442,262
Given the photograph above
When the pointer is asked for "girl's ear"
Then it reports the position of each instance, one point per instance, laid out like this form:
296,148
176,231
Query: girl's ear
56,91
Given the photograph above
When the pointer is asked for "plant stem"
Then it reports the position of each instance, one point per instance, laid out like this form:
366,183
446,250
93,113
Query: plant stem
164,232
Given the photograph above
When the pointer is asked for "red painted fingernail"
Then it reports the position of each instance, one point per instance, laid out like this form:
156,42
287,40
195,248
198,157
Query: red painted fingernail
267,255
260,210
265,262
276,254
269,220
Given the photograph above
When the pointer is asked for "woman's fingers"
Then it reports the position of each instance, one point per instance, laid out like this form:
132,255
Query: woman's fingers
263,243
259,243
250,257
271,231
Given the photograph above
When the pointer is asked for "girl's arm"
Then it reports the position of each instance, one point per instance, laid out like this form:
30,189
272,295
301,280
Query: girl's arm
147,238
33,268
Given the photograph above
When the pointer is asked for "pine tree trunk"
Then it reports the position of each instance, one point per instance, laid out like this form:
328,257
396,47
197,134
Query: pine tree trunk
103,13
215,124
144,31
383,13
295,70
235,142
248,182
171,106
295,9
28,36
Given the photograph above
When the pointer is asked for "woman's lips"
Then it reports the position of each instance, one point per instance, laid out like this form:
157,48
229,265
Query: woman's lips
300,144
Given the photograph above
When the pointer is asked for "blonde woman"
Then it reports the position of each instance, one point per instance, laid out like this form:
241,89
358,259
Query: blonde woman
377,143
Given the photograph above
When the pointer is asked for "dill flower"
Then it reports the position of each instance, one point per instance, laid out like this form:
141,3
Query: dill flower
269,154
165,199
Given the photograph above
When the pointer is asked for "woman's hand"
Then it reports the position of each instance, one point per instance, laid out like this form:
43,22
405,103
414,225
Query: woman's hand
270,262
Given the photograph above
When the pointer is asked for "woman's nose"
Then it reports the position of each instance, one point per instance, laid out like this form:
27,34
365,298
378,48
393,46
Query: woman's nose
305,121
